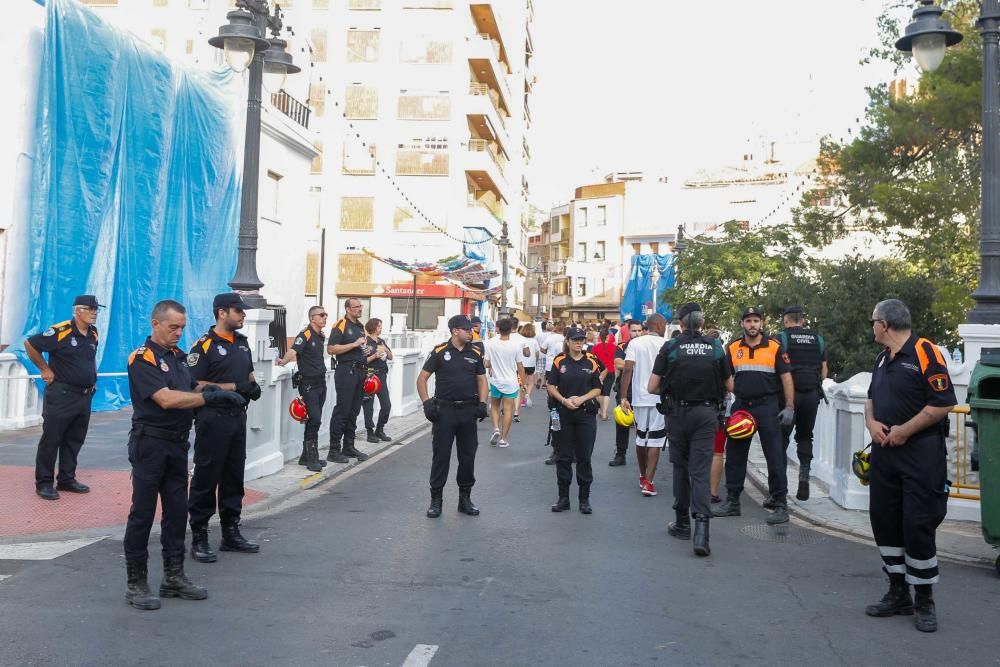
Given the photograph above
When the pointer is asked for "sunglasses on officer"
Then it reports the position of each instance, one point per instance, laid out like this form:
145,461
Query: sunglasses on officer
872,322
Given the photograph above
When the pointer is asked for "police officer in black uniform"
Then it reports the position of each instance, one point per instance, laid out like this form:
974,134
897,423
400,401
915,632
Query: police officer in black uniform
307,350
349,344
70,376
906,414
460,392
380,354
690,375
574,382
622,432
164,397
807,351
221,357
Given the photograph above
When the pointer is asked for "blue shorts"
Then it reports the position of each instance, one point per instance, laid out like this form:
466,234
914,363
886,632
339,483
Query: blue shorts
496,393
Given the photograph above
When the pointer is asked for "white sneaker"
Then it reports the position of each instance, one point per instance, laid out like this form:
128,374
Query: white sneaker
504,444
528,402
495,438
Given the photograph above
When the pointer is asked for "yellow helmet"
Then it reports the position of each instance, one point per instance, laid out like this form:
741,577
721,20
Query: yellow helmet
861,464
623,418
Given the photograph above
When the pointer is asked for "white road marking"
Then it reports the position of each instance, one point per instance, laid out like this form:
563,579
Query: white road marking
421,655
43,550
5,576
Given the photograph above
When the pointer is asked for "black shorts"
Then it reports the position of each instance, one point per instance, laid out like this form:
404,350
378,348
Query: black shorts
529,370
609,381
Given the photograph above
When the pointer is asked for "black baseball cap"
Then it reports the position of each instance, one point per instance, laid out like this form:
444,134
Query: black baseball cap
687,309
460,322
229,300
751,311
88,300
475,320
793,310
575,333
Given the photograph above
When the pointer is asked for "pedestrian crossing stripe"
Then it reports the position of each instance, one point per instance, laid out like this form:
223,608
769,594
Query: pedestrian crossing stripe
44,550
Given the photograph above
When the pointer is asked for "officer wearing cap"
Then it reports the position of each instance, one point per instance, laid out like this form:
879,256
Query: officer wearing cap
761,375
691,377
574,383
460,392
906,414
307,351
349,344
807,351
70,376
222,358
164,397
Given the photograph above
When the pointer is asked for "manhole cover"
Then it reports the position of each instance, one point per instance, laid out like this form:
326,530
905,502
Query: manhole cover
783,534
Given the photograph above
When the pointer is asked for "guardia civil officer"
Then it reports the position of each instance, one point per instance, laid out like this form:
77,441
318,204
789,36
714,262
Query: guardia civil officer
164,397
574,382
807,351
307,351
460,392
222,358
906,414
348,343
762,375
622,432
691,377
70,376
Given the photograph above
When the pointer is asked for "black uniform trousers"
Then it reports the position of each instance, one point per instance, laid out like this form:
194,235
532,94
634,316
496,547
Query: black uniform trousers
384,405
220,456
159,469
806,406
456,425
574,441
765,411
907,501
691,431
313,393
348,380
65,419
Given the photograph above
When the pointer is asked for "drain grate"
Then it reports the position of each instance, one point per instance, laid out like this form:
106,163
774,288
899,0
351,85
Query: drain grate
783,534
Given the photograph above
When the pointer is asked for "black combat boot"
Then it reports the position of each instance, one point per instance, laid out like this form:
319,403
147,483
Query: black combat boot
619,459
200,550
803,491
380,434
350,451
680,527
731,506
137,594
780,513
313,463
896,601
585,507
233,540
769,503
304,456
551,461
175,583
562,504
925,617
465,505
334,454
371,435
434,511
701,547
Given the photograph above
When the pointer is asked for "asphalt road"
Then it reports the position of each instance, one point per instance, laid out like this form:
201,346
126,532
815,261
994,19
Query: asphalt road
356,575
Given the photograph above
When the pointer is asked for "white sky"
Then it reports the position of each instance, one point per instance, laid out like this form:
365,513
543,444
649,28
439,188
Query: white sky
667,86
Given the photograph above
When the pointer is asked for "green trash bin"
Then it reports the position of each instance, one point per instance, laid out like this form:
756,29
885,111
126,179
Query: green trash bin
984,399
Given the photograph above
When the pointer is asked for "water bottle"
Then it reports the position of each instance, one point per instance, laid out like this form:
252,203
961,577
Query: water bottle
956,355
554,417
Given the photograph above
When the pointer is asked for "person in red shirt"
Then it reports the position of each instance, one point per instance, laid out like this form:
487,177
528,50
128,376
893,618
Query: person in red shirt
605,351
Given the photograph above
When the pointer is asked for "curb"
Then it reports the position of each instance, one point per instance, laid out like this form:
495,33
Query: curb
759,481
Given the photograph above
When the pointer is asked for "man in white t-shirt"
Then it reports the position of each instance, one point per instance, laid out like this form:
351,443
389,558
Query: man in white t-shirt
540,338
651,427
505,371
554,344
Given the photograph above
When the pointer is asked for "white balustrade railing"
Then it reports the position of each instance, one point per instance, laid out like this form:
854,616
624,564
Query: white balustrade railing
20,404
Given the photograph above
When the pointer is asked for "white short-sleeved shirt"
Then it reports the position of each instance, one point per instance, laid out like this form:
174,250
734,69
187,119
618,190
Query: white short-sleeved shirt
532,345
642,351
503,356
554,345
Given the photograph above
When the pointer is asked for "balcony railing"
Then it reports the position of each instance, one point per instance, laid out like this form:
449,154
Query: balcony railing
476,88
291,107
483,146
475,199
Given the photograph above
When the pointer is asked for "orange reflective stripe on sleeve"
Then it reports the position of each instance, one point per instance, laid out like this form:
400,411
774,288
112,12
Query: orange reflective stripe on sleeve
925,361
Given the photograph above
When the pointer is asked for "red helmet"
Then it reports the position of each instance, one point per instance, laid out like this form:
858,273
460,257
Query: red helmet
297,409
741,425
372,385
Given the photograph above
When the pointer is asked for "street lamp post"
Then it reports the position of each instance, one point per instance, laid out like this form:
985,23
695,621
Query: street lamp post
538,271
927,36
504,243
244,39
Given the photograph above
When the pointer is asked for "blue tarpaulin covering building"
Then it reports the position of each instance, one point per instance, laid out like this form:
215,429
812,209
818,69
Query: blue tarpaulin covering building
638,296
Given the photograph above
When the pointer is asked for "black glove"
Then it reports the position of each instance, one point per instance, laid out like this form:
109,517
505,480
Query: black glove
220,398
248,389
430,410
481,412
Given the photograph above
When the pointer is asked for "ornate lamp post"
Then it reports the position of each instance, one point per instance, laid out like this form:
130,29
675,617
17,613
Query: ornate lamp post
244,39
504,243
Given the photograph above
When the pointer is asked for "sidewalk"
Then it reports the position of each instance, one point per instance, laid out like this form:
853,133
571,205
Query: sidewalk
105,468
960,541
